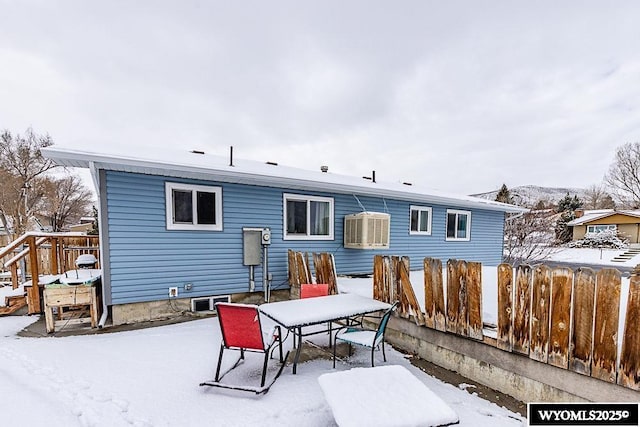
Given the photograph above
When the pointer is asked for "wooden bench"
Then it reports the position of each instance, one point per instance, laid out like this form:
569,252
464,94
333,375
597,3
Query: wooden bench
385,395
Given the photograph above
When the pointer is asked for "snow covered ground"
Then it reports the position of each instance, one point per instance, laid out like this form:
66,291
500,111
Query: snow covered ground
150,377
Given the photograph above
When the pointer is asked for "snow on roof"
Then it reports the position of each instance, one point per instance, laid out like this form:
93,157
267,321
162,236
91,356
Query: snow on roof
198,165
592,215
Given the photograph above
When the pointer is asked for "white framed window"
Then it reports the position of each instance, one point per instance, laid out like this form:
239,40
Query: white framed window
420,220
193,207
307,217
600,228
458,225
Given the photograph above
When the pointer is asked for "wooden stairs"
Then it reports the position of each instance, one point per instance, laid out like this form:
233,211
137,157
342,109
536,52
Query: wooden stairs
13,304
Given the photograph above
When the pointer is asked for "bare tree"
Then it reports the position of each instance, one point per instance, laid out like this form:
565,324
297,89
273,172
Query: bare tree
528,236
19,200
624,173
25,188
66,200
596,197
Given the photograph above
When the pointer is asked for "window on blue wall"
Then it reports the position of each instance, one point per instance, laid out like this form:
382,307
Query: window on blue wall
193,207
420,221
458,225
308,217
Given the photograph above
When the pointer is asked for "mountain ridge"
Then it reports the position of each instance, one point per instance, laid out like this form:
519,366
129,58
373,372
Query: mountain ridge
530,195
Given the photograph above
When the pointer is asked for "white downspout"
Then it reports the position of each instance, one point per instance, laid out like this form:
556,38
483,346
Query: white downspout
96,183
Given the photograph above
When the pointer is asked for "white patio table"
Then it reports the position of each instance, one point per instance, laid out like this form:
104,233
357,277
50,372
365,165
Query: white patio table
298,313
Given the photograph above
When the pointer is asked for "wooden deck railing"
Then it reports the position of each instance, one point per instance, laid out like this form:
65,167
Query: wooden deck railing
44,253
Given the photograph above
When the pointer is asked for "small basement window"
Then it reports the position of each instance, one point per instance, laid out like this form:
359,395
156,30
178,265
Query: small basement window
207,303
193,207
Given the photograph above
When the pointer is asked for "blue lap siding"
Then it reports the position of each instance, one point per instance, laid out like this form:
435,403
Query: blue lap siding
145,258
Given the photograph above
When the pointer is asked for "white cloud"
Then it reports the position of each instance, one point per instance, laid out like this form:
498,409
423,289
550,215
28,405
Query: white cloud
458,96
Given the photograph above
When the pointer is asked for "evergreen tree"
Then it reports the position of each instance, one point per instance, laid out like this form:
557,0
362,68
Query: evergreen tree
504,195
569,204
564,234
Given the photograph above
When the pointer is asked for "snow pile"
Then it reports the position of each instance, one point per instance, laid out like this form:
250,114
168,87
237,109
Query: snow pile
394,397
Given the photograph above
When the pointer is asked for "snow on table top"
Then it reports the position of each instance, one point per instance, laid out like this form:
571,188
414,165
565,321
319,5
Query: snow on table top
80,276
383,396
310,311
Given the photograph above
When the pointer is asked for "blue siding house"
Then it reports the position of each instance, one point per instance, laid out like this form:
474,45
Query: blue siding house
175,219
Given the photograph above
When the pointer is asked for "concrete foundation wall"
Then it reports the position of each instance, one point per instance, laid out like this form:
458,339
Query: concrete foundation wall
168,308
513,374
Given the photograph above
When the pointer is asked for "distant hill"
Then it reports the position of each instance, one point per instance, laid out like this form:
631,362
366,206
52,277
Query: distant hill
529,195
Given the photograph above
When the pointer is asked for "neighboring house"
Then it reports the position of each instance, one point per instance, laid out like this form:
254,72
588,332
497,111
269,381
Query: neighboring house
624,223
175,219
84,226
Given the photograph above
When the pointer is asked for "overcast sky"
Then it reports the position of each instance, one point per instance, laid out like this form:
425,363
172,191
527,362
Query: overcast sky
457,96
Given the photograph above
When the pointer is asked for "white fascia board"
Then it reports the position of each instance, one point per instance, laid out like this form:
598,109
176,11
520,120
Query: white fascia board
238,175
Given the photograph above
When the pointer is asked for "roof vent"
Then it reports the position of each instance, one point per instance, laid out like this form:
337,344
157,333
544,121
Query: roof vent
272,163
197,152
407,183
324,169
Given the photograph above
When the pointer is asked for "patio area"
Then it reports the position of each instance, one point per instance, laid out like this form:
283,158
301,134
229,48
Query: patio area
149,376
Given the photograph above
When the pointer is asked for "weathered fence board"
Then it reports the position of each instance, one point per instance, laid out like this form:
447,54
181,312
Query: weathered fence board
629,373
474,300
456,292
540,298
390,279
380,291
324,266
581,347
404,309
505,307
292,274
561,289
522,313
605,337
299,271
429,300
409,294
434,294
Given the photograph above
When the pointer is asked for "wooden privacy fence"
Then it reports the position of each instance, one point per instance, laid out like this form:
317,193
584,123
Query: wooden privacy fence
323,265
568,319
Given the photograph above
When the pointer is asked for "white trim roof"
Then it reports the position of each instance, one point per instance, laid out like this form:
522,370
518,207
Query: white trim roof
593,215
187,164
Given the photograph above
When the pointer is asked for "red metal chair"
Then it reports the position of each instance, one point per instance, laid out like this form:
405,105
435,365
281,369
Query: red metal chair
241,330
311,290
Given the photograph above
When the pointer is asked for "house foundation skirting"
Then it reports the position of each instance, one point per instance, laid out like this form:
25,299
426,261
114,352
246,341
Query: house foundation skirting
516,375
175,307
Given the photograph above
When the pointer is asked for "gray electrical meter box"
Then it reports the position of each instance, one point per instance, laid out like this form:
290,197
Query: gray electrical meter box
252,246
266,236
